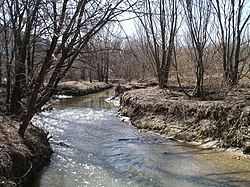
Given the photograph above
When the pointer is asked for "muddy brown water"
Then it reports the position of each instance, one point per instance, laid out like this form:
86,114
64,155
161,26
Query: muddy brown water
92,147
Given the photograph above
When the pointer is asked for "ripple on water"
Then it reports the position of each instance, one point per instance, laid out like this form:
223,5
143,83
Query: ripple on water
94,156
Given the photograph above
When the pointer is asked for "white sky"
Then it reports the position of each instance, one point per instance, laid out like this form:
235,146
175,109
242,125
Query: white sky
127,23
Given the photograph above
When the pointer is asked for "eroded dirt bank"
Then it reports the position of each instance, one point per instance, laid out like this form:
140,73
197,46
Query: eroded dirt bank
21,160
226,122
80,88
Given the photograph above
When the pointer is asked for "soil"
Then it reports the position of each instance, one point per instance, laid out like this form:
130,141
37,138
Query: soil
80,88
21,159
217,123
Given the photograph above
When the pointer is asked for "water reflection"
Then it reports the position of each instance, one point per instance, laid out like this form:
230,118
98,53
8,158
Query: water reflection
103,151
88,101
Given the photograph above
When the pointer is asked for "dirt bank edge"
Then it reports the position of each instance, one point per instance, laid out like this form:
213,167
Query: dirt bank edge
226,123
81,88
22,159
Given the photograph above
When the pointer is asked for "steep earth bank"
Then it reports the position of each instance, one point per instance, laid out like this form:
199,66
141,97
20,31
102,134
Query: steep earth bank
21,159
225,122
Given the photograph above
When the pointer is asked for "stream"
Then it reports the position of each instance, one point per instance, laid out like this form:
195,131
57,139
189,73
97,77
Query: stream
93,147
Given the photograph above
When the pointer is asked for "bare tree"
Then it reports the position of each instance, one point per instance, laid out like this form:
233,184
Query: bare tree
22,17
197,17
103,47
136,61
8,47
159,22
66,27
101,56
233,20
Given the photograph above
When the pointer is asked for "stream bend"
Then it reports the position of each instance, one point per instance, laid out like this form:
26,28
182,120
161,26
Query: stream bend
92,147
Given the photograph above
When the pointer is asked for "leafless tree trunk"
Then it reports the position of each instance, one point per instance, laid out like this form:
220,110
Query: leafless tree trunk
22,16
9,47
197,16
159,22
233,20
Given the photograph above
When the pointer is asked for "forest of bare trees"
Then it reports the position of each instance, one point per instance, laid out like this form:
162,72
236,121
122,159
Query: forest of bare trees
204,44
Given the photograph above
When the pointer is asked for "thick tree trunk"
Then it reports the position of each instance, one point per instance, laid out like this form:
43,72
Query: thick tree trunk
17,93
25,123
163,79
16,97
